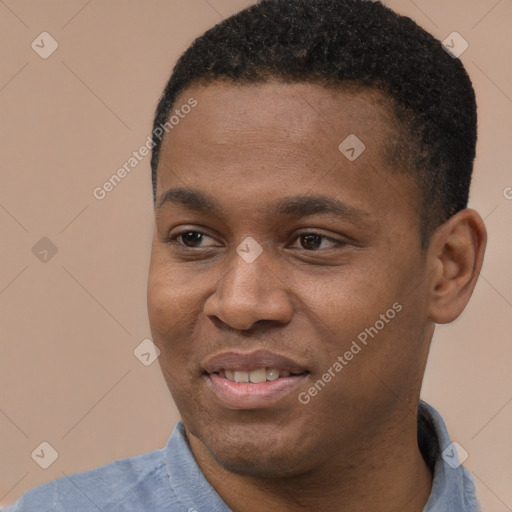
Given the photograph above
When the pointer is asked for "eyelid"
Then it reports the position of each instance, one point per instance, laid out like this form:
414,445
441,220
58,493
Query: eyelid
334,241
318,233
173,238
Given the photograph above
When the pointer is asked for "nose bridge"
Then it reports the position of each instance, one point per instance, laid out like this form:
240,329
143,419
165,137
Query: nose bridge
249,275
250,290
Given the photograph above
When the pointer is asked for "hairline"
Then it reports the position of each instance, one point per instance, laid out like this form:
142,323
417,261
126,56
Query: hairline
395,126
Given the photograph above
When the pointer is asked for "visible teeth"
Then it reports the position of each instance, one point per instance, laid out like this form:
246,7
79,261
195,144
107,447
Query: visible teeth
257,376
241,376
254,376
272,374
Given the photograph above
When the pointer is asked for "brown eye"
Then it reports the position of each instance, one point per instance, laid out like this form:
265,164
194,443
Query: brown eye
191,238
313,241
188,239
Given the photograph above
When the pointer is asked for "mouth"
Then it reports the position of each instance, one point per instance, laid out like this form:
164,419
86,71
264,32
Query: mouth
255,376
252,381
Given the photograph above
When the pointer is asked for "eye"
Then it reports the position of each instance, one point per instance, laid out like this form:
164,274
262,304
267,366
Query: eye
189,238
313,241
310,241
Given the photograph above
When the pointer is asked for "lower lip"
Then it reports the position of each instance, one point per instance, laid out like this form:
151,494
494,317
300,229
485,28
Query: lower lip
241,395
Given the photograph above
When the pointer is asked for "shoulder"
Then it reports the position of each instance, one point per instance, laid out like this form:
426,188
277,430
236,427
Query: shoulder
124,484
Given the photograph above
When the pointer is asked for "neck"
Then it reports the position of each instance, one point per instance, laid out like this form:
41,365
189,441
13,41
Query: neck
385,473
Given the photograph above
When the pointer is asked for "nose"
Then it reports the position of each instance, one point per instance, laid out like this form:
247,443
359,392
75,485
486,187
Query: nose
250,292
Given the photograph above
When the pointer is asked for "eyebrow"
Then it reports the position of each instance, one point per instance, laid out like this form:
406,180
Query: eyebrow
294,206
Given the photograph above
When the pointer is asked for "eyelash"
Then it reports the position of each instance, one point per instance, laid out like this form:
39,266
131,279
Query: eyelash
173,239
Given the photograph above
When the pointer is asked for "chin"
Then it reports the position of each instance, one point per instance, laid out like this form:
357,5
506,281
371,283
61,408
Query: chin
251,460
258,450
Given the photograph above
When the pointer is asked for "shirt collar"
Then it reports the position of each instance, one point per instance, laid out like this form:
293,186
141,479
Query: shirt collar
186,479
453,489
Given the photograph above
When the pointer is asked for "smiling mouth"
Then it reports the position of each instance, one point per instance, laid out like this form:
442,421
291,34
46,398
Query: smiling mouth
253,380
256,376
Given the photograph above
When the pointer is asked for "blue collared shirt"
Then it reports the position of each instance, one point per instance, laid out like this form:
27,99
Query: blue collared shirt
169,480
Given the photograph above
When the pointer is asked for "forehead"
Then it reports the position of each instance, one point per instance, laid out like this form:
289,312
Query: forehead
295,110
304,121
259,142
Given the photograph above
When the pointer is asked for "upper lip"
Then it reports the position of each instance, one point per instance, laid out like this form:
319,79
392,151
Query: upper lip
233,361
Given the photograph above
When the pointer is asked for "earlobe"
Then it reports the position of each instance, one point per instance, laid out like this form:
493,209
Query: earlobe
456,255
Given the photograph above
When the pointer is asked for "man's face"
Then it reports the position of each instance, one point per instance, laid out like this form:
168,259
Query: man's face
323,278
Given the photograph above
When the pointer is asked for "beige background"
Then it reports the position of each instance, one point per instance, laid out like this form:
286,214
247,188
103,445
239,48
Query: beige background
69,326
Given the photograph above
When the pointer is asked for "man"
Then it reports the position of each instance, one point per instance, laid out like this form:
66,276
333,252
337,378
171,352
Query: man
311,169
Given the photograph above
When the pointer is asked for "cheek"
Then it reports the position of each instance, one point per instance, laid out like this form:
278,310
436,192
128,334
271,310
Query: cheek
170,321
172,305
345,301
362,314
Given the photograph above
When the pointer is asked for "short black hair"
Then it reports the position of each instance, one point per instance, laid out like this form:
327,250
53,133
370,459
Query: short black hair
351,42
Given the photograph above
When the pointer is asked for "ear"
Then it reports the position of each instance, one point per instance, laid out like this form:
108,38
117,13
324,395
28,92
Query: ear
455,253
